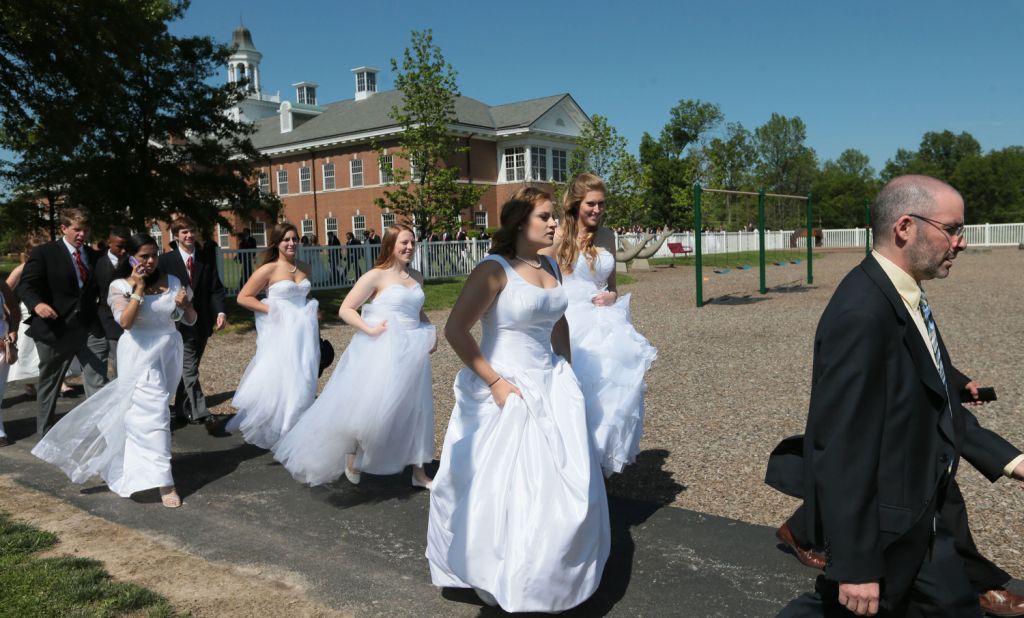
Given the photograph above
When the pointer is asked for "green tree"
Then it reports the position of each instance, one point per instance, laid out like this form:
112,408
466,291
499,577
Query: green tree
842,189
122,115
731,159
938,155
785,163
992,186
602,151
433,197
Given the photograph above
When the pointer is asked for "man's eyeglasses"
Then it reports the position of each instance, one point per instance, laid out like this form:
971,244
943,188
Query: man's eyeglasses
953,231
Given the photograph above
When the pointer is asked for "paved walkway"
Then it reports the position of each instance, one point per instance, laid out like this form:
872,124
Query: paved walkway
361,548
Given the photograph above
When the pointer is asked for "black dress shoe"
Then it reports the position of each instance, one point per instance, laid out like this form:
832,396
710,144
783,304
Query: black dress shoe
215,424
4,441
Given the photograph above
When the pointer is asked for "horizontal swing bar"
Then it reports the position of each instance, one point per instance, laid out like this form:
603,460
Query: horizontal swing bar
730,192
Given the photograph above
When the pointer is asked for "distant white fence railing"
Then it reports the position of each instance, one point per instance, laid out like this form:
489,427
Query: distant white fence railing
721,242
339,267
981,235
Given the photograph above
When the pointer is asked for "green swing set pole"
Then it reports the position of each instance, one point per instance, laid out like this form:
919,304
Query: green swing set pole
760,240
867,227
810,240
696,244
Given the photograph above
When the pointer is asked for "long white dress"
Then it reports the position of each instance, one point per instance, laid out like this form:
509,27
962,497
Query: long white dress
280,381
27,365
378,402
5,367
122,433
610,359
518,507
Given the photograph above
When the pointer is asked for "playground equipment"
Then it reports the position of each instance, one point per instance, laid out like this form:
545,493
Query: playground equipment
641,250
784,245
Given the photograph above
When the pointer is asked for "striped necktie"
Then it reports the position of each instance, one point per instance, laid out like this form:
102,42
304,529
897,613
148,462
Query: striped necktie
933,336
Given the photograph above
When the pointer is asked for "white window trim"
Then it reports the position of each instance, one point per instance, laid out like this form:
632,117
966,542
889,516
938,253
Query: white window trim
287,186
486,219
333,177
258,229
380,169
358,232
546,168
504,162
308,181
264,183
384,224
310,232
352,173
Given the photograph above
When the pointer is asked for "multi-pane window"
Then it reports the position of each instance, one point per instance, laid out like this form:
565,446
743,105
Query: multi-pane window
538,163
264,183
330,225
282,182
307,229
223,236
328,176
480,219
355,171
559,165
515,163
412,170
305,180
366,81
387,219
387,174
358,225
158,236
259,232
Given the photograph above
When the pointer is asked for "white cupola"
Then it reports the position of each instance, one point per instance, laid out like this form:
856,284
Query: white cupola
244,61
366,82
305,92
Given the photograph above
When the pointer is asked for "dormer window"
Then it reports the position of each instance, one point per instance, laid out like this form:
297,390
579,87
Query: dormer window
366,82
305,93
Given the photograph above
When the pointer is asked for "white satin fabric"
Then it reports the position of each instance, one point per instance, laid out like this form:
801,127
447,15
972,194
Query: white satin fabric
5,367
378,402
610,359
27,365
122,433
518,507
280,381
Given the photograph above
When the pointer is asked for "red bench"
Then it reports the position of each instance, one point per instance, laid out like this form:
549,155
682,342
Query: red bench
677,248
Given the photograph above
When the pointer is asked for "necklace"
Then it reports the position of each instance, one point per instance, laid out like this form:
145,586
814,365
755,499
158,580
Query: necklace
294,267
529,263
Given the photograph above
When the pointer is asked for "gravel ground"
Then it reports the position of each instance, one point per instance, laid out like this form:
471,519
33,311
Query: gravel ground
732,378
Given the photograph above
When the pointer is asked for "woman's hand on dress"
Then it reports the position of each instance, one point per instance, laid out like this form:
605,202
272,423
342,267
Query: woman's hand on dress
501,389
604,299
378,329
181,299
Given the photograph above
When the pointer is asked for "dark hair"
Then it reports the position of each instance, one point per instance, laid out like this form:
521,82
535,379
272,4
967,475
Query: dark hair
514,213
276,236
120,232
136,242
183,223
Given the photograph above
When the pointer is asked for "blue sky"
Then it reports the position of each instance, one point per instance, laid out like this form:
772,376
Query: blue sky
869,75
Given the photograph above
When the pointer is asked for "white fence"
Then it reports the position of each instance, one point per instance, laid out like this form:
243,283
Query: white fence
982,235
722,242
339,267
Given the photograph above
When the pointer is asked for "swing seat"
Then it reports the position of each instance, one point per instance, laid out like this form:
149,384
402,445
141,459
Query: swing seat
779,263
795,261
721,271
743,266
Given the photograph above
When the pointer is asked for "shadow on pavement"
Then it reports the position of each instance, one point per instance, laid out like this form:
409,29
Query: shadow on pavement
372,488
193,471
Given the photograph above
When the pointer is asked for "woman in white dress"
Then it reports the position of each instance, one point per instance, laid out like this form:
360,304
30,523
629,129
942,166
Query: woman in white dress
376,413
287,339
122,433
10,315
27,365
518,511
609,356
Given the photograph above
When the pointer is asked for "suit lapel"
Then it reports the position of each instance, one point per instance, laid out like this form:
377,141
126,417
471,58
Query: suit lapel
197,269
69,267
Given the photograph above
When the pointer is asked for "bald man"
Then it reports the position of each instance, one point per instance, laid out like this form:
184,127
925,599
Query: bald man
885,430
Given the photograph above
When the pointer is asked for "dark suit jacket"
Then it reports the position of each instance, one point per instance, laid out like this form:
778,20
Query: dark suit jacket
104,276
208,291
49,277
880,438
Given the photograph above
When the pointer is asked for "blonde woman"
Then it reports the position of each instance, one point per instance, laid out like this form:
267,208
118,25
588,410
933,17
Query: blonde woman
609,356
376,413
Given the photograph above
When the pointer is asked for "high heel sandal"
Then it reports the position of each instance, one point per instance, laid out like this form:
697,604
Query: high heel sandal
170,499
428,484
352,476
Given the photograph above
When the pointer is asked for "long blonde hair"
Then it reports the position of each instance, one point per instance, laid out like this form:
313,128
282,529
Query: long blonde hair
568,248
387,246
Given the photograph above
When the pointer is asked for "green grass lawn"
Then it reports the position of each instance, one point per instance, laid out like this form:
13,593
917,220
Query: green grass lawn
7,264
734,260
63,586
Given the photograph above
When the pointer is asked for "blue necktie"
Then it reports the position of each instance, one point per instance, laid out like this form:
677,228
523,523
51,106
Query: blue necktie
933,336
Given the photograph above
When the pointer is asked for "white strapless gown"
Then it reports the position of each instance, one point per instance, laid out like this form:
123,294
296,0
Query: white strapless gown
518,507
610,359
378,402
27,365
122,433
280,381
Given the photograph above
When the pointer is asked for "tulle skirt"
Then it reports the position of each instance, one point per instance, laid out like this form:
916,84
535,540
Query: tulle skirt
518,506
280,381
122,433
378,404
27,365
610,359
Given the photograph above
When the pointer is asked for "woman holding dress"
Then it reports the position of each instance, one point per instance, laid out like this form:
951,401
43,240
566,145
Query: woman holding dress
122,433
287,337
609,356
10,315
376,413
518,511
27,365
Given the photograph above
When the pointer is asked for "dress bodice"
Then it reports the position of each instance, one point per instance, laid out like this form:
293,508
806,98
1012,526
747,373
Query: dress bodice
290,291
156,315
399,304
584,282
517,326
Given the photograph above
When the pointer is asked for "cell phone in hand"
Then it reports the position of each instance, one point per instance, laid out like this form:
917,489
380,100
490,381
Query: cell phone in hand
985,393
133,262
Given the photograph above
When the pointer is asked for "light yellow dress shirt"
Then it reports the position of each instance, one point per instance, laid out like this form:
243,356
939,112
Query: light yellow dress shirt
910,293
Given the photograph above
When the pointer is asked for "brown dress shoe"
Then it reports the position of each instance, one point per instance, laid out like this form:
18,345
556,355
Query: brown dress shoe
1001,602
807,557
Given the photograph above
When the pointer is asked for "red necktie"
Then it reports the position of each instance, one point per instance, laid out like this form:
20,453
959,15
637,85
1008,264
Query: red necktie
82,272
188,265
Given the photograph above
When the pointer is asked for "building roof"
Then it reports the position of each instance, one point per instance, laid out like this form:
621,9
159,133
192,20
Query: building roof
352,117
241,39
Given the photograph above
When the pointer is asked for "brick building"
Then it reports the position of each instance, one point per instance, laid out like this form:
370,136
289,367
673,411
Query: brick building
323,166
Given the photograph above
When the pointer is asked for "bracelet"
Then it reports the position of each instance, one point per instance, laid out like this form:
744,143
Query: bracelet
496,380
135,297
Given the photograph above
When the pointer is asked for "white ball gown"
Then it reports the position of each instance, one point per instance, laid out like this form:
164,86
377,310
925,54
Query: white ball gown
610,359
280,381
27,365
518,507
5,366
122,433
378,402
